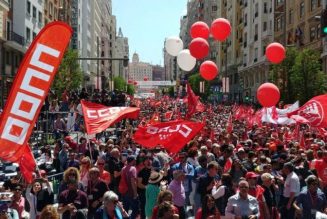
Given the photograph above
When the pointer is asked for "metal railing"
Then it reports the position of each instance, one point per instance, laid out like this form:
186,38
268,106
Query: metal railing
12,36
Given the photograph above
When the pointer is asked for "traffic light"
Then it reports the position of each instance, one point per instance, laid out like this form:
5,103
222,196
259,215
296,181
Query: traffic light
323,23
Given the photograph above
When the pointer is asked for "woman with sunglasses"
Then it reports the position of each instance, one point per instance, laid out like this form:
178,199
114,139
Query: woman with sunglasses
69,174
311,199
112,208
84,170
104,175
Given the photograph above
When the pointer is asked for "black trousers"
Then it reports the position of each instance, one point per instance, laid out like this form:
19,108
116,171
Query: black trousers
284,212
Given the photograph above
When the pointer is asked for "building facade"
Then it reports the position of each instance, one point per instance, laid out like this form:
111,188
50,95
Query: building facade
121,50
139,70
158,73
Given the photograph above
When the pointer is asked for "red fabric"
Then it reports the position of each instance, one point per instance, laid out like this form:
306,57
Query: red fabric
193,103
27,164
321,167
29,90
98,117
168,115
314,111
228,165
155,118
299,119
302,140
173,135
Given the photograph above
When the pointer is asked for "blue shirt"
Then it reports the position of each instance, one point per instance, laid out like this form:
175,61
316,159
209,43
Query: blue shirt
309,205
236,206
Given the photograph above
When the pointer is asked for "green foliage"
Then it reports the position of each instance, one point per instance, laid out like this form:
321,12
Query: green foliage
130,89
171,91
281,73
299,76
194,80
69,75
308,76
119,83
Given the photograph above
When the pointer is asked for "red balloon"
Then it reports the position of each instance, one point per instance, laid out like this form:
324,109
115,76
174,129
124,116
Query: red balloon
145,78
200,29
208,70
275,53
199,48
268,95
135,82
130,81
220,29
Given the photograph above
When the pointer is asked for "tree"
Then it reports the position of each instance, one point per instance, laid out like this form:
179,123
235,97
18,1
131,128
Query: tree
307,77
130,89
281,74
119,83
195,80
69,75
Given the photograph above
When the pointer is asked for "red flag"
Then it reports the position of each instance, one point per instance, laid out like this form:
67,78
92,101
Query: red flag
193,103
172,135
168,115
228,165
302,140
229,126
314,111
300,119
98,117
30,87
27,164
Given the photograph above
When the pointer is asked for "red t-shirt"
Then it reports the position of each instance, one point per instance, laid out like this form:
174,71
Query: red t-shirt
321,167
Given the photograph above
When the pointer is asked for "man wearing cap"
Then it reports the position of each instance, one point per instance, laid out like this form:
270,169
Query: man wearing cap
291,191
188,170
130,199
256,190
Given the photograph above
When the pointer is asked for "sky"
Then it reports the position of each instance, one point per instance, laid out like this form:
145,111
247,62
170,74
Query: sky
147,23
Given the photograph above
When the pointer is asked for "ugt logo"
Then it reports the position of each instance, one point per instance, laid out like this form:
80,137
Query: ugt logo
313,112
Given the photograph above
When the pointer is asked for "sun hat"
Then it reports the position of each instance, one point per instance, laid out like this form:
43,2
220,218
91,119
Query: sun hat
155,177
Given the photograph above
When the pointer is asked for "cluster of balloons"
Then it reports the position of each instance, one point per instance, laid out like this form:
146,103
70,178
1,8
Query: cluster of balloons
268,94
132,82
199,47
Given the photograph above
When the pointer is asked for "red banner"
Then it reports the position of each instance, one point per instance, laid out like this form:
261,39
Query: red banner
172,135
31,86
98,117
314,111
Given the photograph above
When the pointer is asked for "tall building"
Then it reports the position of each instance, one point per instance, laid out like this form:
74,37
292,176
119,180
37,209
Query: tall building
258,16
158,73
139,70
28,19
55,10
121,50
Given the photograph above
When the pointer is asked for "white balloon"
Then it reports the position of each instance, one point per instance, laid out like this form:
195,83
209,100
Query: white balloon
185,60
173,45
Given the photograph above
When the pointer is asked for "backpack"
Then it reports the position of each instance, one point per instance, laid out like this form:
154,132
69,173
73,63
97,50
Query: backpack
123,188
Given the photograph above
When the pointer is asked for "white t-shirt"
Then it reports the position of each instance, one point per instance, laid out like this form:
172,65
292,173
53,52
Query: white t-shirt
292,184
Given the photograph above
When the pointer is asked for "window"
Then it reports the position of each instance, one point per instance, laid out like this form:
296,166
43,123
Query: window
214,8
50,8
256,32
290,16
312,33
28,7
264,26
313,5
34,12
265,9
34,35
28,34
256,10
278,24
301,9
256,53
40,17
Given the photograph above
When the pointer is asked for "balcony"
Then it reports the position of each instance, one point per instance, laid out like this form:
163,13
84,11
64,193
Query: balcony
12,36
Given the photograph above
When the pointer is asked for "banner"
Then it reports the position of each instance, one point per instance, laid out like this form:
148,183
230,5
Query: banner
279,116
314,111
172,135
193,103
30,87
98,117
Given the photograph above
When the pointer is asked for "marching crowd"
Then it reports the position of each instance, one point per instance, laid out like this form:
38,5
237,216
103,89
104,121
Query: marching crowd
248,172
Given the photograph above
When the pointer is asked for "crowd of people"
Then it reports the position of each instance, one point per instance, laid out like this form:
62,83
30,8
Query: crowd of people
251,172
